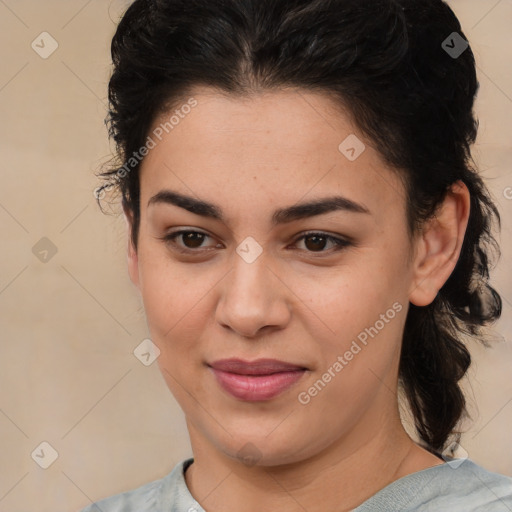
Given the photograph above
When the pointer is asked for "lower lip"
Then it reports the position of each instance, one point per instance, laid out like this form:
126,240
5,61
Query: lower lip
255,388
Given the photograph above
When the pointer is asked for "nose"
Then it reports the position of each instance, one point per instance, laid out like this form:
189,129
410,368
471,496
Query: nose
253,299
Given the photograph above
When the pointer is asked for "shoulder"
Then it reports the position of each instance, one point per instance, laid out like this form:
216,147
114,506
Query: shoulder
458,486
149,497
485,487
491,491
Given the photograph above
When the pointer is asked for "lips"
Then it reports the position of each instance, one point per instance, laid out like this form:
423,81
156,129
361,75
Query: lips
258,380
258,367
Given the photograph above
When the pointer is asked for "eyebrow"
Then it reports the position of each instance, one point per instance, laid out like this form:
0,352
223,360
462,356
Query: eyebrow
280,216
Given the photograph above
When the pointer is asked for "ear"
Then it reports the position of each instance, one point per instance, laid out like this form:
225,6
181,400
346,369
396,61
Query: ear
132,257
439,245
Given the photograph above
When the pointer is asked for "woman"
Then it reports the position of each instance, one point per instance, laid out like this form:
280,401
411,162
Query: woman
311,242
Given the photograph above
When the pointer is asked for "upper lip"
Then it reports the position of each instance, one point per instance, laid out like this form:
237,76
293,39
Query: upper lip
256,367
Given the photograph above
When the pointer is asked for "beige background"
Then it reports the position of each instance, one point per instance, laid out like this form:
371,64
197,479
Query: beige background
69,326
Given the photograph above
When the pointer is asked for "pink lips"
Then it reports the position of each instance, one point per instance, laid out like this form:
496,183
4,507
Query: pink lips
258,380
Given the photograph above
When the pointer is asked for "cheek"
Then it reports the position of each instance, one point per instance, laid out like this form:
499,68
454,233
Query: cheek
175,297
362,307
360,349
176,300
351,297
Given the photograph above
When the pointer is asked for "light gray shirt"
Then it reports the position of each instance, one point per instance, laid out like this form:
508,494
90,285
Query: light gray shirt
455,486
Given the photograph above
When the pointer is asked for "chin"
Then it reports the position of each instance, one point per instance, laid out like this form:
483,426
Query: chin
260,451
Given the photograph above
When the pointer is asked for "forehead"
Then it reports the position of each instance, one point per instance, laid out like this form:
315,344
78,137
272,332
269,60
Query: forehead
278,146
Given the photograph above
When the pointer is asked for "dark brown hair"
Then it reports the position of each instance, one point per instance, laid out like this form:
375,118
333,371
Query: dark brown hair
384,60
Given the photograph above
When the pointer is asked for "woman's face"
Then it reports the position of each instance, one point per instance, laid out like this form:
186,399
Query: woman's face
250,283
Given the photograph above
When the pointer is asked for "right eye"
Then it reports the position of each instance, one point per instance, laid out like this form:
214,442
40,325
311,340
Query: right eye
191,241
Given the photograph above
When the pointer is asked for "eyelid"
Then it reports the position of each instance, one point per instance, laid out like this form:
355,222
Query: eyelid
341,242
325,234
169,238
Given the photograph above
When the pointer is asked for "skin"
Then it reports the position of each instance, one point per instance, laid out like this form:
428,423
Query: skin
296,302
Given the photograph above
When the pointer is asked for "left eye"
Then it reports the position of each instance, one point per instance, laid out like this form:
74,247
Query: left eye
316,242
313,242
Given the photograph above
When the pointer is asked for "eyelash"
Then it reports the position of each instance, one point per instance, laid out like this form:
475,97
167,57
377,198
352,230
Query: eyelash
338,242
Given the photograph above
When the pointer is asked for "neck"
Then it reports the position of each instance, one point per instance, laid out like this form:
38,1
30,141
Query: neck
343,477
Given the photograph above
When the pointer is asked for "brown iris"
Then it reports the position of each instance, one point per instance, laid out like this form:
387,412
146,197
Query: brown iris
195,239
318,242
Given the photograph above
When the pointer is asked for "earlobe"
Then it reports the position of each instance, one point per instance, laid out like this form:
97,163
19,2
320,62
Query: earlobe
132,256
439,246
